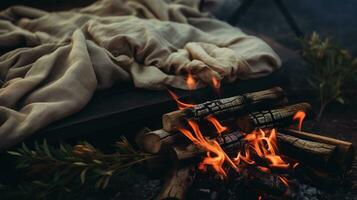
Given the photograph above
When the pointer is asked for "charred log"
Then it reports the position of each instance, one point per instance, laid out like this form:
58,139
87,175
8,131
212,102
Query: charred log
281,117
225,107
341,160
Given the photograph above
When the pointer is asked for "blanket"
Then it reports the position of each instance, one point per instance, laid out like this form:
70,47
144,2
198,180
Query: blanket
52,62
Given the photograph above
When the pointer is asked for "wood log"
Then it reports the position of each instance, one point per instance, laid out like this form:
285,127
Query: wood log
344,150
281,117
225,107
157,140
177,182
234,141
227,141
306,151
154,141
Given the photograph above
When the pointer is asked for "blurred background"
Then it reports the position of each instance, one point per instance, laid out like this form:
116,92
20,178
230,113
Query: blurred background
330,18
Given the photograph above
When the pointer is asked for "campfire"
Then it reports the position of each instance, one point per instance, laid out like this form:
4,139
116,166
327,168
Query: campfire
257,136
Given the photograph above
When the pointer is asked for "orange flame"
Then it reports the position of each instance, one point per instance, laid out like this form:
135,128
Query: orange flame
180,104
262,144
264,169
216,84
300,116
265,147
191,83
212,147
245,158
220,128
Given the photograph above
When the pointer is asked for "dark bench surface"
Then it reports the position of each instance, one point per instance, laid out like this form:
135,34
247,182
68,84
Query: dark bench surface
120,107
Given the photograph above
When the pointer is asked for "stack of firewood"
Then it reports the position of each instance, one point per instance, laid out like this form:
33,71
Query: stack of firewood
321,159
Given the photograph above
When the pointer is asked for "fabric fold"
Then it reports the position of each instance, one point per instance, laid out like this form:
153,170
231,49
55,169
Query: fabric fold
53,62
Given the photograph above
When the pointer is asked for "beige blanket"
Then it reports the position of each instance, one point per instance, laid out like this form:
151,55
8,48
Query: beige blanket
53,62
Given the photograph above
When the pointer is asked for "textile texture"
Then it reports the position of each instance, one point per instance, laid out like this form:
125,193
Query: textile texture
51,63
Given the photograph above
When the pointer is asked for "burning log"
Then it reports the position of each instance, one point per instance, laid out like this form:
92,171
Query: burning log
177,182
342,159
228,141
234,141
281,117
225,107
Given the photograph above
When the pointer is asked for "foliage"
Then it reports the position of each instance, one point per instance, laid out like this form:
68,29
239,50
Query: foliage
69,172
331,69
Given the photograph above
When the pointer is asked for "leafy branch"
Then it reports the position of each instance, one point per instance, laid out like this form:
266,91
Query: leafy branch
331,69
50,171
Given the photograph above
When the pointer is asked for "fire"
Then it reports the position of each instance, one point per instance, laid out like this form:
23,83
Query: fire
265,147
211,146
300,116
180,104
216,124
261,145
216,84
191,83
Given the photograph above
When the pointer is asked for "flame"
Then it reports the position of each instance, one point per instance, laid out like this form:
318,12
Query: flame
216,84
259,144
220,128
211,146
245,158
264,169
266,147
300,116
191,83
180,104
260,197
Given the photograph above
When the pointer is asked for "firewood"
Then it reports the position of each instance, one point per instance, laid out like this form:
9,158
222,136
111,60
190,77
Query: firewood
177,182
227,141
154,141
281,117
344,150
305,150
234,141
225,107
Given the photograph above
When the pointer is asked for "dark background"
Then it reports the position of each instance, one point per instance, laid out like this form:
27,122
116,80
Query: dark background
333,18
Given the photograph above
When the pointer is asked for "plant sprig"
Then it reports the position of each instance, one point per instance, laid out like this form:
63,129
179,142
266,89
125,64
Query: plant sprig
331,69
51,170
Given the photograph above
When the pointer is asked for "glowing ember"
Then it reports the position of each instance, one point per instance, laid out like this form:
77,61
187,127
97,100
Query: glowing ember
216,124
300,116
191,83
180,104
284,180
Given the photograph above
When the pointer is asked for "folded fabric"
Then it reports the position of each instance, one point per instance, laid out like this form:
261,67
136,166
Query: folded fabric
53,62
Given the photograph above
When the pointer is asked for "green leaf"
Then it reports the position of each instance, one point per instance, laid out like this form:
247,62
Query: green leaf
97,161
340,100
25,149
83,175
14,153
80,164
46,149
105,182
